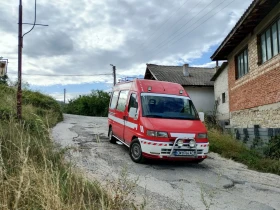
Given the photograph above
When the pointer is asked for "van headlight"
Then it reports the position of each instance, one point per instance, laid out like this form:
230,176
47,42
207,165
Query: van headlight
192,143
180,142
201,136
157,133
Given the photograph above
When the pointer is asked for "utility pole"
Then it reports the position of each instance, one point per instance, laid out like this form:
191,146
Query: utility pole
64,95
20,46
114,73
19,92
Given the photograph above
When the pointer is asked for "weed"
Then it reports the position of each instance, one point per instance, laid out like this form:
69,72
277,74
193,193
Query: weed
228,147
33,172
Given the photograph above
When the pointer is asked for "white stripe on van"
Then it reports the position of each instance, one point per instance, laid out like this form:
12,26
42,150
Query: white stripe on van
121,121
182,135
131,125
116,119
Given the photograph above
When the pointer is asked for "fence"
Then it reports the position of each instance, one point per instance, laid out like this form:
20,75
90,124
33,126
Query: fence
254,137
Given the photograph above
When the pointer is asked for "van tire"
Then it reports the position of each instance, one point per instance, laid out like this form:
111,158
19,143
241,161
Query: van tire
112,139
135,152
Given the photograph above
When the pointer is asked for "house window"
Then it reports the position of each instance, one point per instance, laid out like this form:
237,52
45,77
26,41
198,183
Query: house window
242,63
224,98
270,41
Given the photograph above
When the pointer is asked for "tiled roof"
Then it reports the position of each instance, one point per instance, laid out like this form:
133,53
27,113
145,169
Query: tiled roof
198,76
255,13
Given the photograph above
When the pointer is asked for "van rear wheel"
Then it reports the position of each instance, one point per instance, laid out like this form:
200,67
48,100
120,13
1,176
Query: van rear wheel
112,139
135,152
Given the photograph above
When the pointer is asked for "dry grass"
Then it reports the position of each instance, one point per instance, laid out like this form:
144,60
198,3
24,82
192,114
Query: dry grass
33,173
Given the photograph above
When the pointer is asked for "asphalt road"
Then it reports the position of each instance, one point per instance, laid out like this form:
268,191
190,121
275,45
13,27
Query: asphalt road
216,183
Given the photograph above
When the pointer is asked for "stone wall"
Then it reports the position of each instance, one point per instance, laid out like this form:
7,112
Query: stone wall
267,116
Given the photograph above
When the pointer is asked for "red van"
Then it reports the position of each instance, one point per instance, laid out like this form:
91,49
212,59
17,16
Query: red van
156,120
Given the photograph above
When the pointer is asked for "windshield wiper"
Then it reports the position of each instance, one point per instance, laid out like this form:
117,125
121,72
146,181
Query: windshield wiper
153,115
181,118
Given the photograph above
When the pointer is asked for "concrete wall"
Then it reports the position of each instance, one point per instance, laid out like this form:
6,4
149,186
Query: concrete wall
202,97
250,94
220,87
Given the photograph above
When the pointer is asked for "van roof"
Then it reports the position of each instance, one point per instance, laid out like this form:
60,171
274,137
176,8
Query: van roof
161,87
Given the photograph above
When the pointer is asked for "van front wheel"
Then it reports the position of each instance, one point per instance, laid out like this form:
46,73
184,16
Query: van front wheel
112,139
135,151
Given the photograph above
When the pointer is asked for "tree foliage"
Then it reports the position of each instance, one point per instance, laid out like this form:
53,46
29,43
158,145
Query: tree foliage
4,79
94,104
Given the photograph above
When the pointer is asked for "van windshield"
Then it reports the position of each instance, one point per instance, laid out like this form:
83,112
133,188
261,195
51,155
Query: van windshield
168,106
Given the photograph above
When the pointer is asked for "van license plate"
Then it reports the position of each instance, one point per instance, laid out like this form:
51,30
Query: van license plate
184,153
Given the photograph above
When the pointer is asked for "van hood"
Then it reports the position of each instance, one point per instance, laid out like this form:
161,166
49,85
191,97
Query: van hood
174,125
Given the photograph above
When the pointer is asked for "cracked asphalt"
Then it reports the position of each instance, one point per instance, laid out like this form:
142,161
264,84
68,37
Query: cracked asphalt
216,183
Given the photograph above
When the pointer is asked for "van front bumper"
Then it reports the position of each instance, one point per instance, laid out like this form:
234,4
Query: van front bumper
170,150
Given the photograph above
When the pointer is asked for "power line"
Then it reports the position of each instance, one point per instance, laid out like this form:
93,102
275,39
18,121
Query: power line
197,14
66,75
172,42
168,18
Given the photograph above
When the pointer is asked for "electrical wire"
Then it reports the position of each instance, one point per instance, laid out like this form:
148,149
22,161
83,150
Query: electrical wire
169,17
186,24
65,75
33,23
207,19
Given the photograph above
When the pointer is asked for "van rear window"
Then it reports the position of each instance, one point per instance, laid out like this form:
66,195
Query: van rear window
114,100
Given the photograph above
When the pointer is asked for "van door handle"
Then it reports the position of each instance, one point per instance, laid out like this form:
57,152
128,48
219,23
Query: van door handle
125,117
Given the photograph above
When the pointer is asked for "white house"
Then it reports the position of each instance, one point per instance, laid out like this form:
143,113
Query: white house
195,80
220,80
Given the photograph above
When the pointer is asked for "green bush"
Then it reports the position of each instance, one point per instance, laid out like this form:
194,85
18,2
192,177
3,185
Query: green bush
273,148
94,104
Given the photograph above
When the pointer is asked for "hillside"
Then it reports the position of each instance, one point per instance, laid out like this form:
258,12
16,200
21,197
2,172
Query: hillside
33,173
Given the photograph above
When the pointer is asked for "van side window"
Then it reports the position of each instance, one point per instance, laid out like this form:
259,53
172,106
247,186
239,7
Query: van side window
133,102
114,100
122,100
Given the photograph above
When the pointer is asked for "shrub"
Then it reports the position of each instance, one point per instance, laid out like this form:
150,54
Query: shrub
273,148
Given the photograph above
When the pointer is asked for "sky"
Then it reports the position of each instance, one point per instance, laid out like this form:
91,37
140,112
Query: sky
84,37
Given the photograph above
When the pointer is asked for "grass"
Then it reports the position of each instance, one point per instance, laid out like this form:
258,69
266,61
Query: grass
33,173
228,147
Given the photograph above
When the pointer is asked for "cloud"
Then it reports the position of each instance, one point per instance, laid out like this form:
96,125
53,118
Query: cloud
85,37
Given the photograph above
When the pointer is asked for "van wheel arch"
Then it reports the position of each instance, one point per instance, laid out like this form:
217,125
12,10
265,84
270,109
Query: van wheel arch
135,151
112,139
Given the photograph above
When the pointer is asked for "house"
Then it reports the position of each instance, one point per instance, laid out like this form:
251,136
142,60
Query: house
196,81
220,80
252,50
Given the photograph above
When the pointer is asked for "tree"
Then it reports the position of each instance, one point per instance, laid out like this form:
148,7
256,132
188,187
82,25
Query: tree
3,80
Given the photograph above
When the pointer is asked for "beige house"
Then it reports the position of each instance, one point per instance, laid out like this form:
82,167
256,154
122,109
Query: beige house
220,79
196,81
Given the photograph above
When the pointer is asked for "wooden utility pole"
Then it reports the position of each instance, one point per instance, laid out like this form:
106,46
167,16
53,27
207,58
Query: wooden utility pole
114,73
19,92
64,95
20,46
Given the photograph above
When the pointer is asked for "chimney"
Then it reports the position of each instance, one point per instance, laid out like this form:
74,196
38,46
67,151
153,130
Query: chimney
186,70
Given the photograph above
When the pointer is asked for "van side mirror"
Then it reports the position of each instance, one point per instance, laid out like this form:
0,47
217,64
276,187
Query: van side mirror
132,112
201,116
